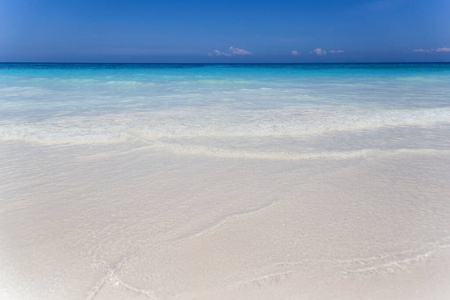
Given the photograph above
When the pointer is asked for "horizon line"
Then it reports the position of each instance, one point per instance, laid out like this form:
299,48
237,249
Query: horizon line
230,63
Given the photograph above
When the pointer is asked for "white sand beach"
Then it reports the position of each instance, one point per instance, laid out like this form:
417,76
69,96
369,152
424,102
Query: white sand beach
129,221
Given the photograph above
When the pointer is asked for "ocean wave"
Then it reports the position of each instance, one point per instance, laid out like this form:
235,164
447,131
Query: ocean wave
210,123
284,155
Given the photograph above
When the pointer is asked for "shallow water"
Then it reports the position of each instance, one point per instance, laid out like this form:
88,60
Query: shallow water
224,181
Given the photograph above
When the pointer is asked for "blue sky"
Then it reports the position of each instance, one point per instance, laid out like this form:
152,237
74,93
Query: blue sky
224,31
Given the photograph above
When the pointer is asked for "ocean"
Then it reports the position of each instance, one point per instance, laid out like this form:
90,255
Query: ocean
92,102
224,181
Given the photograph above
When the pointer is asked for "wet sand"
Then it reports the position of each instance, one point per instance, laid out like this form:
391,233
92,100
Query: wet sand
133,221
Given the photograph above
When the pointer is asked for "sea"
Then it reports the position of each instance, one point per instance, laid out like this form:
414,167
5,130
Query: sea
89,103
224,181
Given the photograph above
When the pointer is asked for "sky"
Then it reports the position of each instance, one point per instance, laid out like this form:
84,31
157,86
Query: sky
224,31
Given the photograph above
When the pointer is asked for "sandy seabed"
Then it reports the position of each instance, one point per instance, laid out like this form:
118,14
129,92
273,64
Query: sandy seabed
133,221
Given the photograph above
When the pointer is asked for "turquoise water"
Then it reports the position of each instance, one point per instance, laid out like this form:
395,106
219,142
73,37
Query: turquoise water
48,101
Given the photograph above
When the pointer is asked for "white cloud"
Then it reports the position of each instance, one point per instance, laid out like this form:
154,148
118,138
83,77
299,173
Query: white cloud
219,53
239,51
232,52
295,53
320,51
443,49
335,51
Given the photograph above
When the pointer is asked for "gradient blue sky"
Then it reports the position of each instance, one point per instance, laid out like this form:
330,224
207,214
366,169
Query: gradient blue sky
224,31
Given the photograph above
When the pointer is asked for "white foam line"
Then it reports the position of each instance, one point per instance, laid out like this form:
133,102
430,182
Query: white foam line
224,220
402,264
420,254
390,263
110,272
129,287
113,128
225,153
441,243
265,277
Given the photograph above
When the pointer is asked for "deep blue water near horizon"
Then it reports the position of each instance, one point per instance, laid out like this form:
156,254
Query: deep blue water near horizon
263,69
